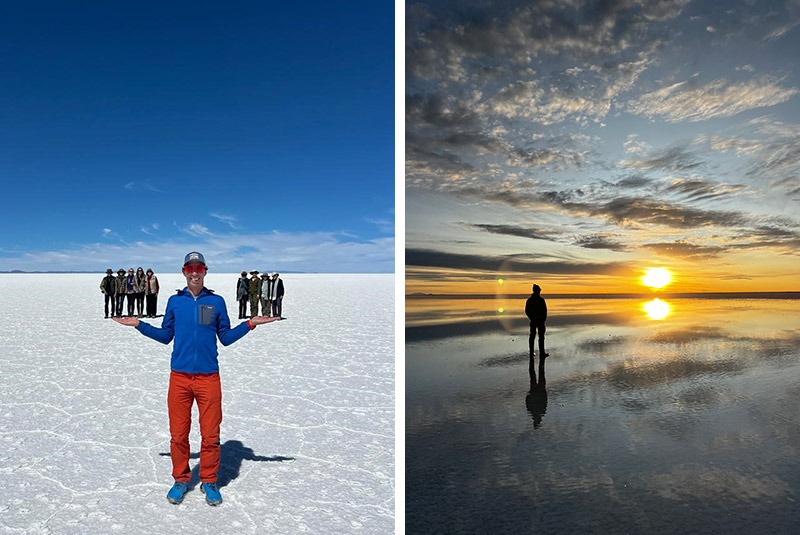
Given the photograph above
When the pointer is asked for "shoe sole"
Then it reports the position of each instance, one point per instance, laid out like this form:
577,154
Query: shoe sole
179,500
175,502
209,502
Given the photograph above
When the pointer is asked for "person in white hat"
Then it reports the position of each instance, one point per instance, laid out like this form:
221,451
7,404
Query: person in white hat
266,303
277,295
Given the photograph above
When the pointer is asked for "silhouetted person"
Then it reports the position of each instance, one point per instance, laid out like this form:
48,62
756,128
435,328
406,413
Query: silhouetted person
536,310
536,400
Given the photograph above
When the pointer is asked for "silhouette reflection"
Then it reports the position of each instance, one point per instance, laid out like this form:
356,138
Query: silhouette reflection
536,399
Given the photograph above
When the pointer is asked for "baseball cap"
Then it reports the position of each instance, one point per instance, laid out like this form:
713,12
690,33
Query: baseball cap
194,256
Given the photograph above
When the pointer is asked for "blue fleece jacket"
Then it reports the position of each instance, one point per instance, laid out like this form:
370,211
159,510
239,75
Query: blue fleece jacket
195,323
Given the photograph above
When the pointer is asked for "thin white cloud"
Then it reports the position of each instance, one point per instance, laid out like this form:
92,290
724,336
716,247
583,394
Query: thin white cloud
384,225
323,252
110,234
141,186
150,230
196,229
635,146
227,219
780,32
685,102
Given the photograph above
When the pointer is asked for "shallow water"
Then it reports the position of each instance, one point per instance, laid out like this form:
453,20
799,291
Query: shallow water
684,424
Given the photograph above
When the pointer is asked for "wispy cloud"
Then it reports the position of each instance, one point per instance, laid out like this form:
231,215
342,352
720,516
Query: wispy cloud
322,252
110,234
384,225
196,229
519,231
670,159
601,241
518,263
229,220
685,101
699,189
141,186
151,229
684,250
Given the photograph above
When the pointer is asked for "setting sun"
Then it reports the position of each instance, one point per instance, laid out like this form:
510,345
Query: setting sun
656,277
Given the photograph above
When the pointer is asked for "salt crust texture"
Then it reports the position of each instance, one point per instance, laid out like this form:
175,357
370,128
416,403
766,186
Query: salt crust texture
308,404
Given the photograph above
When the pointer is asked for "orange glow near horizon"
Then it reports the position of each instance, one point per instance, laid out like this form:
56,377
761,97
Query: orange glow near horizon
777,276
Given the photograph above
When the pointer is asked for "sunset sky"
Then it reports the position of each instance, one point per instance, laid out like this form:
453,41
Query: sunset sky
576,144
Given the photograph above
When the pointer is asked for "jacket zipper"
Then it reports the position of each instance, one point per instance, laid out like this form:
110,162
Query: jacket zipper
196,323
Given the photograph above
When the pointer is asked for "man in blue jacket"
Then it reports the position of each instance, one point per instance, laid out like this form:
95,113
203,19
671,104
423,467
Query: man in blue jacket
195,317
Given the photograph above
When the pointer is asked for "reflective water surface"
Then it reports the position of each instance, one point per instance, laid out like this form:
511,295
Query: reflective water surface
674,417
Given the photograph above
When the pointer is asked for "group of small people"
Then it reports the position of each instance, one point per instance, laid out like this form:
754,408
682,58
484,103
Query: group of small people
266,290
137,287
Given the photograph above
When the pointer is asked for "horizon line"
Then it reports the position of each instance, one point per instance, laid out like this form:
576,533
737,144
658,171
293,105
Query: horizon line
781,294
21,272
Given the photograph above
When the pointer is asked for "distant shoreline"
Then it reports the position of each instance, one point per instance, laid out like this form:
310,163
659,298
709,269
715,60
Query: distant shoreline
676,295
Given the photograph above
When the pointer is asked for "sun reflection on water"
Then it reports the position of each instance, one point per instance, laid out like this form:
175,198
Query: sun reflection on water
656,309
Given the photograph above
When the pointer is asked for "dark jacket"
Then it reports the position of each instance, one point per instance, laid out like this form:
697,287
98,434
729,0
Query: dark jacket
195,324
241,288
109,285
536,309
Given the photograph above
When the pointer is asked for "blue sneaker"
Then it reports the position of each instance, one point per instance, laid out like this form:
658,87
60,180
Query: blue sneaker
211,490
177,492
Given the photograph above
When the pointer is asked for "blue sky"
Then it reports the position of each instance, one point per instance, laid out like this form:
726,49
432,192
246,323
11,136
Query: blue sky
579,143
260,133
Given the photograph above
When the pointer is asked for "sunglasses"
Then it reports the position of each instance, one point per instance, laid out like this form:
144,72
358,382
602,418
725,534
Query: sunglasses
194,268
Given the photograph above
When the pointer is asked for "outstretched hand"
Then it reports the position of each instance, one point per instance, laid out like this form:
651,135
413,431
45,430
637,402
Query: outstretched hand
130,322
260,320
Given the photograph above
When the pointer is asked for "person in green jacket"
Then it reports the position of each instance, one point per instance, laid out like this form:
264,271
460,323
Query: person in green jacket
254,292
120,291
109,288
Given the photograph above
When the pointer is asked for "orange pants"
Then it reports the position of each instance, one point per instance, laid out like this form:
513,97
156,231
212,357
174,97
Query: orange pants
184,389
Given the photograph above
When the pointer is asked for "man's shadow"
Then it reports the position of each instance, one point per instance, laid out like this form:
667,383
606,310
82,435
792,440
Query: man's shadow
536,399
231,455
